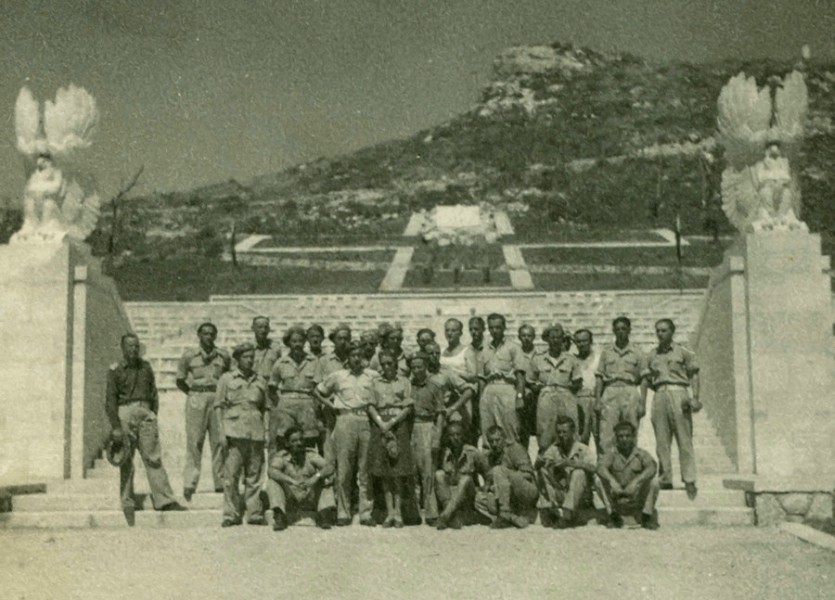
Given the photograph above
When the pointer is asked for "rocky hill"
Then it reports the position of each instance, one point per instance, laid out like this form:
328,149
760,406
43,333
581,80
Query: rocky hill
564,138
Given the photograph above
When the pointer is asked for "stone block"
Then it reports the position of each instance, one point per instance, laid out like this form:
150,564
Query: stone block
768,511
821,507
795,504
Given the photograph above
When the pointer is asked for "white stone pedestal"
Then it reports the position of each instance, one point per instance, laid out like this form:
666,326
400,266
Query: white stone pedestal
765,341
60,324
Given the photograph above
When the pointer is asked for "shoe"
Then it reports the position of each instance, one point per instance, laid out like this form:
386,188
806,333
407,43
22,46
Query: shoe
441,523
456,522
279,521
343,522
368,522
691,489
230,523
647,522
188,493
173,507
257,521
501,523
389,522
615,521
666,486
398,523
130,515
519,522
218,490
431,521
326,518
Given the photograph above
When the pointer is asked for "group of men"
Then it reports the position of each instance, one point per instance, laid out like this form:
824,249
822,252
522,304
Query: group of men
475,410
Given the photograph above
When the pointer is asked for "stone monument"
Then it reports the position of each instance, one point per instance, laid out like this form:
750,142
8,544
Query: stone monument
61,319
765,334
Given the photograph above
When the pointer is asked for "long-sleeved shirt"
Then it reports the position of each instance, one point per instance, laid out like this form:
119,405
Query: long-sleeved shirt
243,401
128,383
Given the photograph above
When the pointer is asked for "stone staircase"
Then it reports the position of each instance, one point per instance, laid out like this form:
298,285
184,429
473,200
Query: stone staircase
167,329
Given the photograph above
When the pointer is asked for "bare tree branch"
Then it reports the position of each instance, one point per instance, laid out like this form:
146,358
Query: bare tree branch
114,206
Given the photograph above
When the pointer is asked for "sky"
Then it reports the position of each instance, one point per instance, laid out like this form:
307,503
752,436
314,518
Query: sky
201,91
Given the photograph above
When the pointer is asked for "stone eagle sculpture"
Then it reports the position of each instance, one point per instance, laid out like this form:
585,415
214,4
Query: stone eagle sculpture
761,132
56,201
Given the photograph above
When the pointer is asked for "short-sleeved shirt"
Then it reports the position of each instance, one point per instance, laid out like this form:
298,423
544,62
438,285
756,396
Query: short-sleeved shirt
626,364
128,383
391,395
627,468
579,452
314,463
198,368
265,357
527,359
474,361
331,363
514,457
402,363
588,370
450,383
561,371
242,401
504,361
675,365
429,400
290,377
350,391
465,464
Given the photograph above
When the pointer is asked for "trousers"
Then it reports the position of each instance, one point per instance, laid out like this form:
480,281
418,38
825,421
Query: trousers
642,501
140,424
199,420
291,500
571,492
351,435
243,458
425,444
498,407
671,417
553,402
619,402
510,493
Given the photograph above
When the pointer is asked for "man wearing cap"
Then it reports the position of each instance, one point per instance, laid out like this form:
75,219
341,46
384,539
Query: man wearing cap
300,480
557,375
457,392
267,351
370,341
348,392
620,371
131,405
198,372
337,359
510,493
564,473
456,480
240,404
504,375
391,338
588,359
674,376
291,386
527,416
627,474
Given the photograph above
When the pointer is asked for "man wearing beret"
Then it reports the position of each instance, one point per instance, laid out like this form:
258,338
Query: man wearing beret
131,404
197,375
240,405
337,359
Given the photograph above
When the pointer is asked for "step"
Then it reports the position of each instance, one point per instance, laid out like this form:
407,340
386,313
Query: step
103,502
726,516
706,499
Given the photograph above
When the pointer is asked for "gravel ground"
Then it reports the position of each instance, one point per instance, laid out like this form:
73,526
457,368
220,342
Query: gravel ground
413,563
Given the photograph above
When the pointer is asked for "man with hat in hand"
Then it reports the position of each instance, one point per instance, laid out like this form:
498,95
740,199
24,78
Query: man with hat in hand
131,405
240,405
197,375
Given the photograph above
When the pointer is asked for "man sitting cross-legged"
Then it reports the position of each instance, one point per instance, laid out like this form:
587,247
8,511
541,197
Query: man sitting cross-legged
564,471
628,477
510,494
455,481
300,480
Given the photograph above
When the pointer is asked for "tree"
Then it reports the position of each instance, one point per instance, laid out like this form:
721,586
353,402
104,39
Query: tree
114,207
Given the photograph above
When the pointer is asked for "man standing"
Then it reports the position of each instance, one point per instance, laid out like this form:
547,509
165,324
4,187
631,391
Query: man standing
391,339
337,359
266,350
557,374
369,340
240,404
527,416
315,337
300,480
565,470
504,376
674,376
457,392
455,481
197,375
620,371
352,391
627,474
510,494
474,366
132,404
589,359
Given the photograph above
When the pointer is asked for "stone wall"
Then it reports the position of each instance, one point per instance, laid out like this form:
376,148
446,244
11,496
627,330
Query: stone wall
773,508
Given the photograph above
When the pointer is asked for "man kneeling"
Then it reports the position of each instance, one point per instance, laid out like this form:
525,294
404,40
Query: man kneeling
564,471
628,476
510,493
455,481
300,480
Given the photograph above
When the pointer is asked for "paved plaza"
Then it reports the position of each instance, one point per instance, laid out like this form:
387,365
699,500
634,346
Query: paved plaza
367,564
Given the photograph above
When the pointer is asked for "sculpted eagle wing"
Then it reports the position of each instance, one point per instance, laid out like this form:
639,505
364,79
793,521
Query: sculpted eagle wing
27,123
70,121
80,208
743,120
791,102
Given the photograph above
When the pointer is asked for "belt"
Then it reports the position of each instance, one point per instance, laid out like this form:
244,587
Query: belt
670,386
389,411
202,388
425,418
501,379
619,383
146,403
357,412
